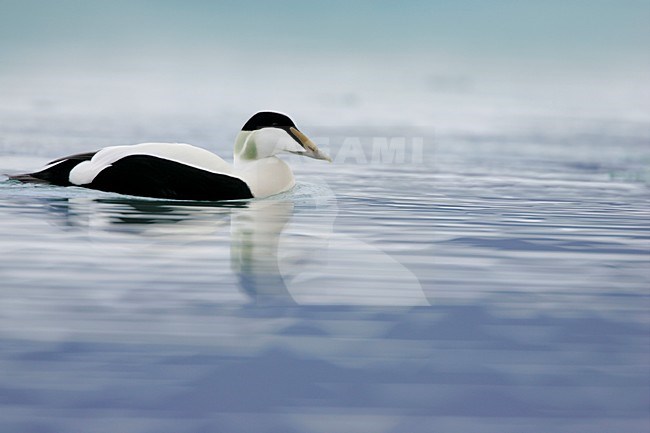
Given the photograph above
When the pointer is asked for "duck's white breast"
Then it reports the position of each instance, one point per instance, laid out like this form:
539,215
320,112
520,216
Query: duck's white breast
266,176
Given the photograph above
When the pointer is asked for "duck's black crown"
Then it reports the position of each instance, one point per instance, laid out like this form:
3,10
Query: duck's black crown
265,119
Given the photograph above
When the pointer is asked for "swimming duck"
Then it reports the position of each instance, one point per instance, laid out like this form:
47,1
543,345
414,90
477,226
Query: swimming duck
185,172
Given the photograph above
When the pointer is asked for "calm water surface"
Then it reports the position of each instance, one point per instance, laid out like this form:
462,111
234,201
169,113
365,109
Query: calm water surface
498,284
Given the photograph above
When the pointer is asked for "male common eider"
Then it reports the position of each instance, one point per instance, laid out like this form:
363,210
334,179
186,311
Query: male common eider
185,172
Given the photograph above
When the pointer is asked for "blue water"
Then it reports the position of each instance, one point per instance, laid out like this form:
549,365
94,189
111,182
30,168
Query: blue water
492,282
475,259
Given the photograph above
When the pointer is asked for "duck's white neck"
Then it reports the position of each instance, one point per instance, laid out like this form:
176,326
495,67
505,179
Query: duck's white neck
255,164
245,149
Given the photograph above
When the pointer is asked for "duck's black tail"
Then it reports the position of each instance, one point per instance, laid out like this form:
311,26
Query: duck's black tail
26,178
56,172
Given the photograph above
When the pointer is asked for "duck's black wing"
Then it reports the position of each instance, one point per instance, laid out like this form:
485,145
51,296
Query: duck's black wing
144,175
152,176
56,172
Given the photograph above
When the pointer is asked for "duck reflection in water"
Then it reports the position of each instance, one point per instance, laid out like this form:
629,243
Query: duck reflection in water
280,252
255,246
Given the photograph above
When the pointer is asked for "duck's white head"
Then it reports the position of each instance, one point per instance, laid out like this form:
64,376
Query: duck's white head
268,133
